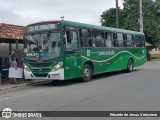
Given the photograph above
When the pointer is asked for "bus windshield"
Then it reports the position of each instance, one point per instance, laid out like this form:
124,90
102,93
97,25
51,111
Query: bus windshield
42,46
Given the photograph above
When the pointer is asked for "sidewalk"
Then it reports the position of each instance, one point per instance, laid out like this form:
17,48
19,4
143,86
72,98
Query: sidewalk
5,84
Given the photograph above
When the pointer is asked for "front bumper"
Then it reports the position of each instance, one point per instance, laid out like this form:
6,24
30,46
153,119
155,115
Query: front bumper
57,75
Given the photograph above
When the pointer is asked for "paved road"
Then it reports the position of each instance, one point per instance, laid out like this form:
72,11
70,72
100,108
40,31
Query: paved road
136,91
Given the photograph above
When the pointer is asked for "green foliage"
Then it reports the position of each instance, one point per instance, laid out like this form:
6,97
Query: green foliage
108,18
129,18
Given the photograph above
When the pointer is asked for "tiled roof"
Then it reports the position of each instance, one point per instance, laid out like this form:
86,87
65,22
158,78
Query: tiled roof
8,31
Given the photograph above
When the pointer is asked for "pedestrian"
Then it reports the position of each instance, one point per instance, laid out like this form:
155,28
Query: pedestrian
149,55
13,64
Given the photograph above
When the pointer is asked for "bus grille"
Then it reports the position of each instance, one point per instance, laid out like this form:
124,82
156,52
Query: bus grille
41,69
40,64
40,75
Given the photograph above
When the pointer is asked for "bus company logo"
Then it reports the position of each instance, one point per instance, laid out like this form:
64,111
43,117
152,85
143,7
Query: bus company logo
7,113
88,52
112,52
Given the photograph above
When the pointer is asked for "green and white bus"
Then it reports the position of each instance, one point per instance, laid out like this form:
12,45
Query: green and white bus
61,50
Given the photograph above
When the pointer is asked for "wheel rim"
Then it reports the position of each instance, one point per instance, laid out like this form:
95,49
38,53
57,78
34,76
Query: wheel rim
87,73
130,66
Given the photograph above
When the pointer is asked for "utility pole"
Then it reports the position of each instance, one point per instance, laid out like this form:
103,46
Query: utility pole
141,16
117,16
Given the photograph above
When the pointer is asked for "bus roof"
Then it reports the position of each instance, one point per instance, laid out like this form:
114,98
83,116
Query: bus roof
89,26
49,21
83,25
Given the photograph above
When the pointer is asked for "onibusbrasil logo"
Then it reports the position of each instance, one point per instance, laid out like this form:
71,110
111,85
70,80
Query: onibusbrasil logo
7,113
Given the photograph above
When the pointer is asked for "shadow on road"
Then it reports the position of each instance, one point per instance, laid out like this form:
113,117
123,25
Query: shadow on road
109,74
57,83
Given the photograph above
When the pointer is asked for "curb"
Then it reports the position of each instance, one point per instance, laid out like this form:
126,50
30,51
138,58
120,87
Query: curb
156,60
15,86
20,85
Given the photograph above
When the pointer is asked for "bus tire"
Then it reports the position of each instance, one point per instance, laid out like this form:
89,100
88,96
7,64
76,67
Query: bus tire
129,66
87,73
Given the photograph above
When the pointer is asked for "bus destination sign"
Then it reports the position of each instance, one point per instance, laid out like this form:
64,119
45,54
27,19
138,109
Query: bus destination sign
41,27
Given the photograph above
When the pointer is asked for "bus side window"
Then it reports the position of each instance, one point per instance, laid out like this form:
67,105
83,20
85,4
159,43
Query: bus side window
85,37
141,40
98,38
133,41
114,42
108,39
72,40
120,41
129,40
67,37
124,40
136,41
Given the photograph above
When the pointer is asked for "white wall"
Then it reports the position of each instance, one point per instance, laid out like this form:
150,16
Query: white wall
155,51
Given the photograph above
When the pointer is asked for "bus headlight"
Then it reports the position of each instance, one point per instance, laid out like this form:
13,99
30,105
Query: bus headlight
26,68
57,67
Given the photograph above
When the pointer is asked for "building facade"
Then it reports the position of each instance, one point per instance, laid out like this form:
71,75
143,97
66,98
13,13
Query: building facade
11,38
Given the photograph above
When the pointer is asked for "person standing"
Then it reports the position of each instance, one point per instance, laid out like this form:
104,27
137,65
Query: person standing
13,64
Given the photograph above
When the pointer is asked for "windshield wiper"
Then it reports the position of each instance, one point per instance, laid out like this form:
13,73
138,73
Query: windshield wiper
46,39
36,42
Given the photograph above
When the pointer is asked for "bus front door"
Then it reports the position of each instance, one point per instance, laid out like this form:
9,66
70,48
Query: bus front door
73,65
72,56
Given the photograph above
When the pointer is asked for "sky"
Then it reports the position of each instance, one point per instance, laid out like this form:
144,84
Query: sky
23,12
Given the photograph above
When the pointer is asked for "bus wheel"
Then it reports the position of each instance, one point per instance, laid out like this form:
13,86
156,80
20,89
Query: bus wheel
87,73
130,66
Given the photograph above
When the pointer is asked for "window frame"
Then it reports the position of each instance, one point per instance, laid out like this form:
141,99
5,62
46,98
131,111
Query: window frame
108,33
82,37
94,40
122,40
131,39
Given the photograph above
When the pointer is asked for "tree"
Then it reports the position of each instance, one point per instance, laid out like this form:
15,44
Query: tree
132,11
108,18
157,9
129,18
